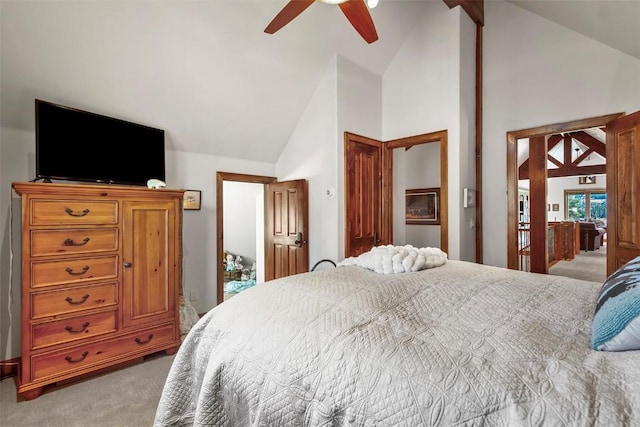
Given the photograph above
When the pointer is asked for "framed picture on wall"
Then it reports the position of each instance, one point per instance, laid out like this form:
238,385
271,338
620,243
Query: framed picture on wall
587,179
191,200
422,206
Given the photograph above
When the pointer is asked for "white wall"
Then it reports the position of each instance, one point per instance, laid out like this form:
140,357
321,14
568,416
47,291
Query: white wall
347,99
17,163
423,91
239,201
311,154
466,165
537,73
194,171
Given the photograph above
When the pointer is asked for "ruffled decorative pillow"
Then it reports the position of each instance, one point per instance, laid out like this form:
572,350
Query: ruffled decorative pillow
616,322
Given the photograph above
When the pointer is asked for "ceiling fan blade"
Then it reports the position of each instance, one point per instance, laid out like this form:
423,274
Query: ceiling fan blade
286,15
357,13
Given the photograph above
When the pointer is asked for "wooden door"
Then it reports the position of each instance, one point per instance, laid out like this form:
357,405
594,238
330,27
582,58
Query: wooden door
363,194
286,229
623,190
149,254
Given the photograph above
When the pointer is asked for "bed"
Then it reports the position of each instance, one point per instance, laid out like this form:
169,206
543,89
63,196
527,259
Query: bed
460,344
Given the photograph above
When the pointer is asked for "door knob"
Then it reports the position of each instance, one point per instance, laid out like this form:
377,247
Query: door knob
127,264
299,242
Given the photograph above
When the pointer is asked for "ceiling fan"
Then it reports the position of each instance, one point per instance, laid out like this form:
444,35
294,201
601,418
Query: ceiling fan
355,10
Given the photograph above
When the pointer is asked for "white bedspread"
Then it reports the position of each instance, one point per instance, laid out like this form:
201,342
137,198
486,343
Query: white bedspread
461,344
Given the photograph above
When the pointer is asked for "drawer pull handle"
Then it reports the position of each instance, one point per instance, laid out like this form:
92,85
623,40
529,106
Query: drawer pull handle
71,301
70,212
70,242
72,360
71,330
139,341
70,271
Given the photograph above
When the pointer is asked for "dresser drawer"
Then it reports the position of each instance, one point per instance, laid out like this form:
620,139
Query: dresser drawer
69,242
64,212
85,356
77,270
72,300
72,329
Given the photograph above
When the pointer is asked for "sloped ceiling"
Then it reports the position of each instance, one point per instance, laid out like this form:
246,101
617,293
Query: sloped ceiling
204,70
611,22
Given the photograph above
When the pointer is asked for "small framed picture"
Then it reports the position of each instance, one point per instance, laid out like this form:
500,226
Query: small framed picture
422,206
191,200
587,179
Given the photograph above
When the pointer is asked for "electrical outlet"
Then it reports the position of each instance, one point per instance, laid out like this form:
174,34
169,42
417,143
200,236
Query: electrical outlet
193,295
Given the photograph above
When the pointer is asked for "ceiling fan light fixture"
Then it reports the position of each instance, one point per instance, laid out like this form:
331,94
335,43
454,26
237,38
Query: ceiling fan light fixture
372,3
355,11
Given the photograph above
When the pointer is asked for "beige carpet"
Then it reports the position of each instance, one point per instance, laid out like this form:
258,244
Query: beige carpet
589,265
123,398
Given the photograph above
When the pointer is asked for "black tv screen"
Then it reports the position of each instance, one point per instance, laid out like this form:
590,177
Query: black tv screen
77,145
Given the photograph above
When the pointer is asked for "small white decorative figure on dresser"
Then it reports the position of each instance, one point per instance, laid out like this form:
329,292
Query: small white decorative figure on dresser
156,183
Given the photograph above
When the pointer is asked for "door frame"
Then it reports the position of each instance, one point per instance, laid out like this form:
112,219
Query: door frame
440,136
220,178
512,171
386,225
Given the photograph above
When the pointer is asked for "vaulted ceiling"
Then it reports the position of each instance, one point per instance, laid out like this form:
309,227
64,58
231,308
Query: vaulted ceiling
575,153
205,71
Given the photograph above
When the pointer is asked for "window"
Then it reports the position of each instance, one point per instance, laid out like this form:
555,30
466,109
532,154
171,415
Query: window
585,204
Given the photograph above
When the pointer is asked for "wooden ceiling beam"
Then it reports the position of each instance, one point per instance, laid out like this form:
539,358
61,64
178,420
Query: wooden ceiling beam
569,171
551,142
555,161
594,143
474,8
577,171
524,170
582,156
567,148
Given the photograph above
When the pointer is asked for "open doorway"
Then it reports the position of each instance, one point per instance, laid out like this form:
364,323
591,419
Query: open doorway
576,204
281,226
554,174
417,162
241,248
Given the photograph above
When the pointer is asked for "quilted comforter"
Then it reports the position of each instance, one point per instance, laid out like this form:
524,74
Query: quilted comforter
461,344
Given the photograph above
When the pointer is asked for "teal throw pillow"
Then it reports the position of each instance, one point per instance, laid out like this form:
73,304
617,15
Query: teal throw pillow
616,322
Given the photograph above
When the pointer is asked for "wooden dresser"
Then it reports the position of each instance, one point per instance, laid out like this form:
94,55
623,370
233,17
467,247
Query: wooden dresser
101,269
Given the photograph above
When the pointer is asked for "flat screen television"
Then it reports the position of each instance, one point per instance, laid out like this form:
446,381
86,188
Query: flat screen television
76,145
